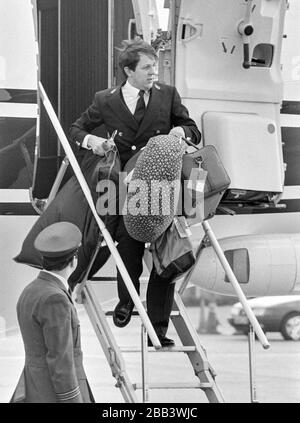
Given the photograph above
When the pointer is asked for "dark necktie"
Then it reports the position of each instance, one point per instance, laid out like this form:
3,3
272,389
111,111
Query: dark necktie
140,107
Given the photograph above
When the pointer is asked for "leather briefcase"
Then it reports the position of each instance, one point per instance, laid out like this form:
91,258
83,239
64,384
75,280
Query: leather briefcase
216,181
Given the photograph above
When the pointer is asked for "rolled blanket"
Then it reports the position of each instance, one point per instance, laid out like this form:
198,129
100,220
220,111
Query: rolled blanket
70,205
153,191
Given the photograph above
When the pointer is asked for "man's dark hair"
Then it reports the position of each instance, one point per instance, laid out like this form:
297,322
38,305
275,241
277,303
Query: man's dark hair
58,263
131,51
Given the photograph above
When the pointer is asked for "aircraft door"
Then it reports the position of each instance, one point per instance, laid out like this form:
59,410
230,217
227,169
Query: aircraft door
228,72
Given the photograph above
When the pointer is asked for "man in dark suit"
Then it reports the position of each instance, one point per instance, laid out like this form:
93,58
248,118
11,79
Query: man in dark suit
49,325
138,109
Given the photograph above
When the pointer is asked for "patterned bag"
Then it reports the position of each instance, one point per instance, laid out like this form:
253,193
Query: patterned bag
153,191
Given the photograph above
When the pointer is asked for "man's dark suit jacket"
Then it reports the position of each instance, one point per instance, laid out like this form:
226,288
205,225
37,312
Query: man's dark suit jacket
164,111
50,330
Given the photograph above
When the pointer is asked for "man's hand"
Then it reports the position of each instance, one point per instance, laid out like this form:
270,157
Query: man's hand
178,131
99,145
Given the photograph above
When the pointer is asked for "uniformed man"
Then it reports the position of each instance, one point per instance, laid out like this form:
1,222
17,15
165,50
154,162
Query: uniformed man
49,325
138,109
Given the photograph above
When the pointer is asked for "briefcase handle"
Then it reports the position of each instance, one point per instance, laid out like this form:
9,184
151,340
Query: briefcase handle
189,142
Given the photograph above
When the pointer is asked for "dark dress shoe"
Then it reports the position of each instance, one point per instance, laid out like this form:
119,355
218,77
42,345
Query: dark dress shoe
165,342
122,313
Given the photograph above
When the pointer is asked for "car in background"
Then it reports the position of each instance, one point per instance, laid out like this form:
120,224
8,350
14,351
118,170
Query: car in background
275,314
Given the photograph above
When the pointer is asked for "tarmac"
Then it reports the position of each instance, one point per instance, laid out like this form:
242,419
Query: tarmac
96,366
278,375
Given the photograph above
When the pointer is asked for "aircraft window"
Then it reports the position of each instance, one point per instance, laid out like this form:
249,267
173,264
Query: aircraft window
18,96
239,263
17,144
262,55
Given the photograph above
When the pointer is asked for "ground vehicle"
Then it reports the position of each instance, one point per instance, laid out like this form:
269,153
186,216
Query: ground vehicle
275,314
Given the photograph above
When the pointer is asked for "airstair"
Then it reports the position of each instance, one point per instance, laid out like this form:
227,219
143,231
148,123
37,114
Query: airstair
189,338
191,346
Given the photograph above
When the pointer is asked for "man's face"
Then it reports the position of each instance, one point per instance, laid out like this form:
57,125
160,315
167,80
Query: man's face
143,75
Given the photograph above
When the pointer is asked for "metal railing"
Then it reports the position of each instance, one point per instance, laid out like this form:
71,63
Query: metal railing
106,235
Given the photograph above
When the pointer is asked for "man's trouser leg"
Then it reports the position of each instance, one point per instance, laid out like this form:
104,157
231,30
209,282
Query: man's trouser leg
160,296
131,252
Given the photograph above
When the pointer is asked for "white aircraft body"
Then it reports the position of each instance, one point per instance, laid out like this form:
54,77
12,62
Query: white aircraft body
248,107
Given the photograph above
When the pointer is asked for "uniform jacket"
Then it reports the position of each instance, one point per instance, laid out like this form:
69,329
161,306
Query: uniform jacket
53,370
164,111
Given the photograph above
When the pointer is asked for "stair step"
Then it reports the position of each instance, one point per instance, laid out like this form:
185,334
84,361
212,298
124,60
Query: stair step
135,313
164,349
197,385
103,279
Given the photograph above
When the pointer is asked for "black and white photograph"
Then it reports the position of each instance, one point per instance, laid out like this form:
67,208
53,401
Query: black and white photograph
150,205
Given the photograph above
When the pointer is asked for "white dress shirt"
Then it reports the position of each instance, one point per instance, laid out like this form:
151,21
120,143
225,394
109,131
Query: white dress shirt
131,96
